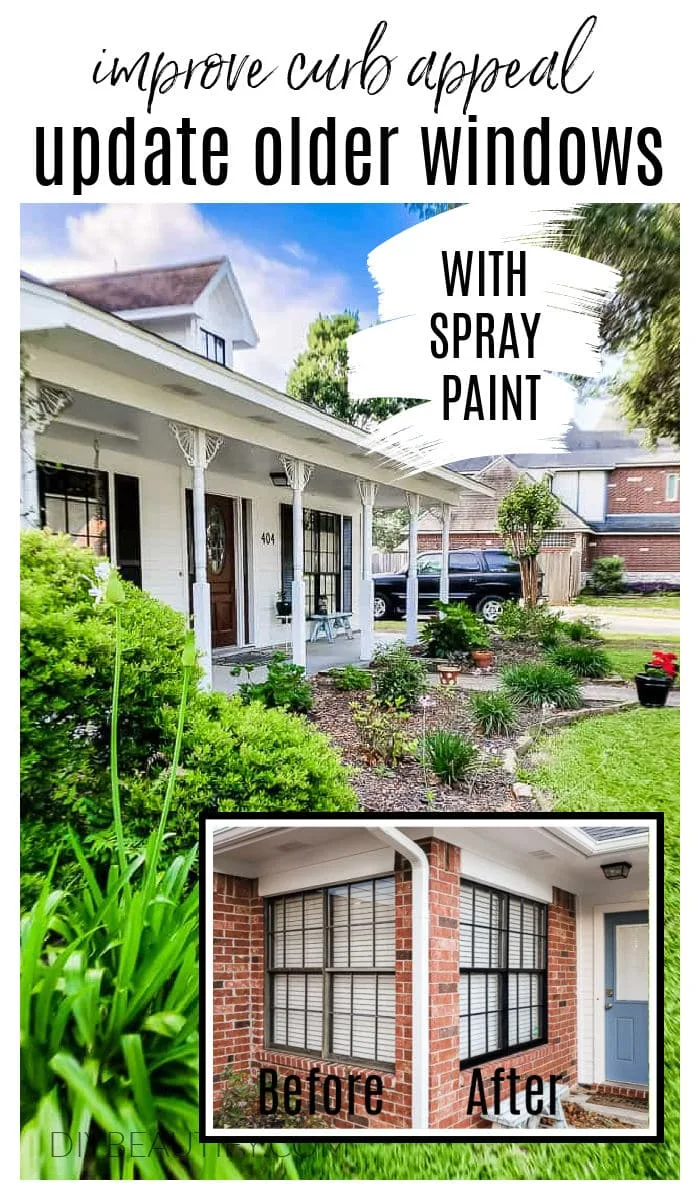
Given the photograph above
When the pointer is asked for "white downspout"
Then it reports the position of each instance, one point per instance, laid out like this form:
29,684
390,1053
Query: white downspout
420,959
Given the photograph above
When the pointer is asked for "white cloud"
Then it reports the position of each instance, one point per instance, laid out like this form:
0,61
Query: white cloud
283,298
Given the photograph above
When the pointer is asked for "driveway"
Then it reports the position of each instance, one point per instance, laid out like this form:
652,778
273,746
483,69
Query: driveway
616,620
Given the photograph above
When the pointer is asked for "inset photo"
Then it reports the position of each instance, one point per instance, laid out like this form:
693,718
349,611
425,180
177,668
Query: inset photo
496,977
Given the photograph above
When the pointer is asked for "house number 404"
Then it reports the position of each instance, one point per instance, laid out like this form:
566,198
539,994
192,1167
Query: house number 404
267,539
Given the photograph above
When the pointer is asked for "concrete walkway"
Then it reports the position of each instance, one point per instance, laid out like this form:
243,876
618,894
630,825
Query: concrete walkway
592,690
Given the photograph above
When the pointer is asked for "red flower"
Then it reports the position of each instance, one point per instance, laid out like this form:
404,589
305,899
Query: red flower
663,660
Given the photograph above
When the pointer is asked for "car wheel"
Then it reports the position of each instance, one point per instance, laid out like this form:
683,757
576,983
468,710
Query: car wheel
490,609
382,608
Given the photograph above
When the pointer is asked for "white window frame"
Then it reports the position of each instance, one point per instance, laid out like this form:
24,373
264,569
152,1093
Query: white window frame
673,483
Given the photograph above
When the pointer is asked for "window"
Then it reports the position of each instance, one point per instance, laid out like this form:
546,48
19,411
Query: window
557,540
673,483
327,559
498,560
465,560
503,976
214,347
428,564
74,500
330,964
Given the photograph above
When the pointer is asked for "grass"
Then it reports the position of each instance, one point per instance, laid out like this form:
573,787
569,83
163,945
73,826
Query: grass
607,764
662,601
389,626
629,652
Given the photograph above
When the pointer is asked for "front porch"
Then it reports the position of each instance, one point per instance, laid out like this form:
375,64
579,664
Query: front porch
320,656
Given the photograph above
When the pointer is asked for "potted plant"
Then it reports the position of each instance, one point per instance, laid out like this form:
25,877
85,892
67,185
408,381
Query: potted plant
653,686
284,606
448,672
665,661
480,650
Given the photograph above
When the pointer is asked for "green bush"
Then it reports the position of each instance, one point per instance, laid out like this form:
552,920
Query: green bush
400,678
585,662
450,756
239,1108
381,730
607,576
586,629
286,686
542,683
351,679
493,712
454,631
520,624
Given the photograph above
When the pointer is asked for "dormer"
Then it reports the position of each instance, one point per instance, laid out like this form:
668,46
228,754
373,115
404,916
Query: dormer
197,305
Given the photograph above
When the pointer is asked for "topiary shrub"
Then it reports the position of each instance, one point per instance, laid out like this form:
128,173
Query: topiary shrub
399,677
607,575
585,662
542,683
493,712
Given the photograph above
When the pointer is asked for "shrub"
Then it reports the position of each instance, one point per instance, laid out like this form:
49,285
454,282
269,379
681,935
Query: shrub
585,662
400,678
240,1108
542,683
455,632
381,729
520,624
493,712
450,756
286,686
607,575
586,629
351,679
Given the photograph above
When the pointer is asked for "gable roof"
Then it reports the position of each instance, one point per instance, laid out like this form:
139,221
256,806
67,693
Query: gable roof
595,448
477,514
147,287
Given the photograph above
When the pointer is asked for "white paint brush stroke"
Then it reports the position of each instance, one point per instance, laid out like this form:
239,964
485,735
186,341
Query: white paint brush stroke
394,359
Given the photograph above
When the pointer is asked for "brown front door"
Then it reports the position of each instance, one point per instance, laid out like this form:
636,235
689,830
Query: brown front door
221,570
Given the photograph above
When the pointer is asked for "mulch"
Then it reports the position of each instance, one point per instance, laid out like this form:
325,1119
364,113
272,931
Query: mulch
381,789
579,1118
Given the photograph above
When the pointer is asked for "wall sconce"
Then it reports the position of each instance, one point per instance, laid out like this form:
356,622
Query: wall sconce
616,870
279,479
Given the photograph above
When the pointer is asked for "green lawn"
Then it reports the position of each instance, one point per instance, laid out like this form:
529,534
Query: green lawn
664,601
618,763
629,652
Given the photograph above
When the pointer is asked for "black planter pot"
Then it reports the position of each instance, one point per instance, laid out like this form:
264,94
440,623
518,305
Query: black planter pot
284,608
651,692
672,678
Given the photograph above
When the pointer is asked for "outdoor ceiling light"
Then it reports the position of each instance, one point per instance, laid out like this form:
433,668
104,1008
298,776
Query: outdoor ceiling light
616,870
279,478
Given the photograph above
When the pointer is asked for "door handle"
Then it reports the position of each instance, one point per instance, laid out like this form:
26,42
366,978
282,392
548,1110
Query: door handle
608,1004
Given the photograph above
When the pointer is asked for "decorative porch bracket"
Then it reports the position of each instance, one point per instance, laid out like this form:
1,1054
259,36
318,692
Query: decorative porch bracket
368,493
413,506
298,475
199,448
40,403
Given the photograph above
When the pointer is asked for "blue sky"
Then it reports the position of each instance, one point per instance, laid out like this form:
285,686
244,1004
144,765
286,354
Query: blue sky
292,261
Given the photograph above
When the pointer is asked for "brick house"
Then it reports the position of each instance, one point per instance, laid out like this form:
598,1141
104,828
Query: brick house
626,499
418,955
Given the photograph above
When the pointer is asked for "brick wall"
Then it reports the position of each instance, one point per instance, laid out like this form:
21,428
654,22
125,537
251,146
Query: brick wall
461,541
658,553
640,490
237,967
449,1086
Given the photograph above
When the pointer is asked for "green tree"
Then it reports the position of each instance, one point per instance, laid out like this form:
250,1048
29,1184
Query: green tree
525,514
641,323
319,376
390,528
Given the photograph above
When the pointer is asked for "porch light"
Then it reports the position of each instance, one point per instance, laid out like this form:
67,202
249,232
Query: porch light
618,870
279,479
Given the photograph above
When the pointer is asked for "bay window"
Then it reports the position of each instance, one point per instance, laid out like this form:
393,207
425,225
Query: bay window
502,973
330,972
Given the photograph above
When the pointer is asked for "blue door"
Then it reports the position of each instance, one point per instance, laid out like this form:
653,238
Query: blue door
627,997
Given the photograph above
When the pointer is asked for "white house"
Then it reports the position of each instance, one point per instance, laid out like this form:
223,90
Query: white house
142,439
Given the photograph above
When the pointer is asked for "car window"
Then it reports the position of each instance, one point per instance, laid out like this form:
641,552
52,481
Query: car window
498,560
428,564
465,560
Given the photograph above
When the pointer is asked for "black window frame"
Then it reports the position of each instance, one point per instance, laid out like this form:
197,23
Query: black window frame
218,343
51,472
327,972
503,970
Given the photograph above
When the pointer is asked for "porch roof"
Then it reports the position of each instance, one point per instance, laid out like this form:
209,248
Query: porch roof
80,348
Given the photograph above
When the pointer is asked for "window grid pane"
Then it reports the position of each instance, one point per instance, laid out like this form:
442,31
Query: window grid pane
502,960
348,932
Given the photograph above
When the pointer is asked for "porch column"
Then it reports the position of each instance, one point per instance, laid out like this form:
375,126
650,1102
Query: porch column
199,448
39,404
298,474
368,492
413,505
445,514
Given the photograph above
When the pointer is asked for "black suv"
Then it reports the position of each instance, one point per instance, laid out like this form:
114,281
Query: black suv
483,579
